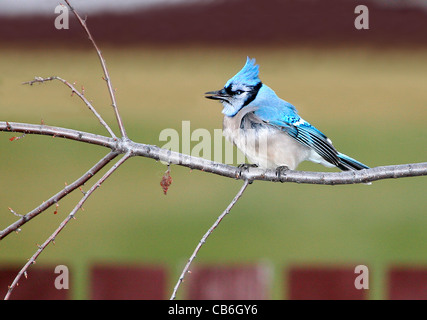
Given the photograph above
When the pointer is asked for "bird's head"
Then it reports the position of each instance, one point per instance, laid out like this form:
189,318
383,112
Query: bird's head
240,90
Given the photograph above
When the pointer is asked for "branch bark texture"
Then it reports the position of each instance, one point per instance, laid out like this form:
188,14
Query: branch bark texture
122,146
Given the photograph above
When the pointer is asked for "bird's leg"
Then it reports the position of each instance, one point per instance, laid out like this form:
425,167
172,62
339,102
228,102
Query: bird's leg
279,171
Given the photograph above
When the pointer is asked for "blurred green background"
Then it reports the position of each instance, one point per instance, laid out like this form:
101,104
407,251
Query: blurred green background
371,102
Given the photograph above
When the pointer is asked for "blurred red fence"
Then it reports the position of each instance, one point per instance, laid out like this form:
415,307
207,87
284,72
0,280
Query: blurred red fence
321,283
278,22
242,282
38,285
112,282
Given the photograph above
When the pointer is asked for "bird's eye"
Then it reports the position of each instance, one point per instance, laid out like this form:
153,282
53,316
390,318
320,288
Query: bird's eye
239,92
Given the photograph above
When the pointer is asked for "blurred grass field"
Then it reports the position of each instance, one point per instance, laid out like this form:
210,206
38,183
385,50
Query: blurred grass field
371,102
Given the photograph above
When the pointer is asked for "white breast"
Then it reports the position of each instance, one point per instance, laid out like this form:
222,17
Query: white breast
265,146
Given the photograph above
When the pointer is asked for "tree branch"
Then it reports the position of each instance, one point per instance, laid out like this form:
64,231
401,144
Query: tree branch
58,132
79,94
196,163
106,73
51,239
207,234
58,196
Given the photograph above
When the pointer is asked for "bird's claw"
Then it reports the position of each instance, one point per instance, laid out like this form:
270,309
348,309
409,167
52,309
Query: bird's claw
245,166
279,171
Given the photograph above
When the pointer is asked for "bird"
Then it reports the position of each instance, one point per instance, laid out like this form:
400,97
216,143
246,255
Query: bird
268,129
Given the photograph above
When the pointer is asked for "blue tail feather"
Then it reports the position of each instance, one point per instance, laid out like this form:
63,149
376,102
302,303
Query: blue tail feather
348,163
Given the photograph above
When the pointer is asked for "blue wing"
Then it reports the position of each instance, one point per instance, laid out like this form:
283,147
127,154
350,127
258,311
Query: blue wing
273,111
286,118
309,136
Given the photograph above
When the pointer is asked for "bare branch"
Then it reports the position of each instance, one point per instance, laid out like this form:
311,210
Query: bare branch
206,235
171,157
58,132
58,196
79,94
104,68
40,249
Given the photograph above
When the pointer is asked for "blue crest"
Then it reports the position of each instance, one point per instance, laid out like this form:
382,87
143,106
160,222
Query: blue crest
248,75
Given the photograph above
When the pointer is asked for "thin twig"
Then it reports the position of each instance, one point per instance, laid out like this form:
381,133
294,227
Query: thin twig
40,249
79,94
104,68
58,196
206,235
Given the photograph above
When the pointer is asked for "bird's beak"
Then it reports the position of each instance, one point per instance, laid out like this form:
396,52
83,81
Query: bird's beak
218,95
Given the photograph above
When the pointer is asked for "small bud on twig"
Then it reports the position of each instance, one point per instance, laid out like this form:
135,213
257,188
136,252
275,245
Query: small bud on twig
17,138
81,190
56,208
16,214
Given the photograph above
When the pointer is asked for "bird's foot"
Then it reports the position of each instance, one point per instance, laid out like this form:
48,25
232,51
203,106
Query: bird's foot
245,166
280,170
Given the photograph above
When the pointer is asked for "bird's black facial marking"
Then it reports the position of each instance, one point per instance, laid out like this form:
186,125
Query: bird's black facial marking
252,90
252,93
229,90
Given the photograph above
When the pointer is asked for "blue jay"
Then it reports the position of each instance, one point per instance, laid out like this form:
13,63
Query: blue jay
268,130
